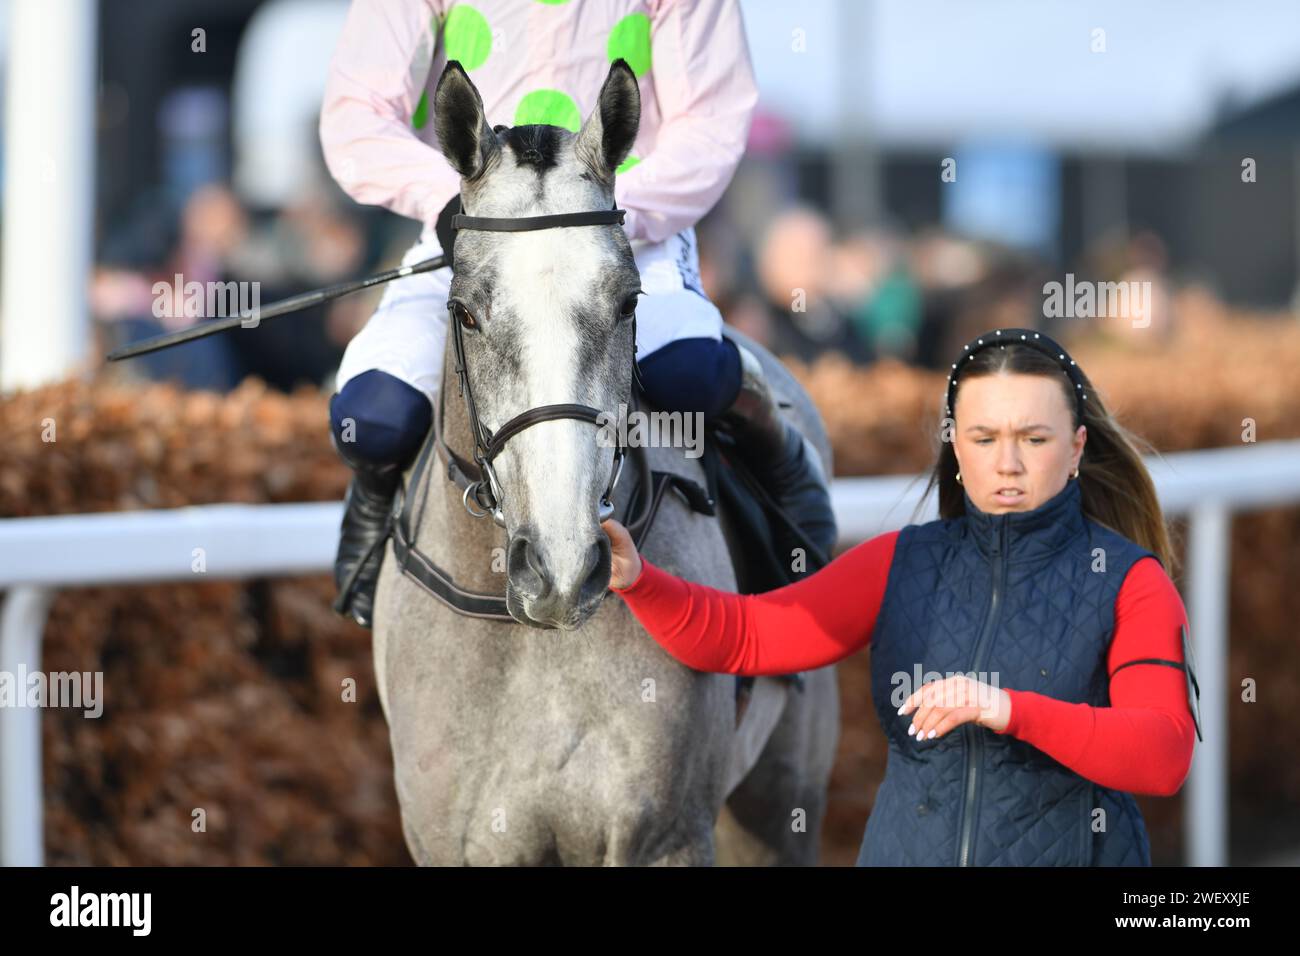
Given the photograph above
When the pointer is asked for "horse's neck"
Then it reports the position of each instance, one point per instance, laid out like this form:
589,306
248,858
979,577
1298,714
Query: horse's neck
458,542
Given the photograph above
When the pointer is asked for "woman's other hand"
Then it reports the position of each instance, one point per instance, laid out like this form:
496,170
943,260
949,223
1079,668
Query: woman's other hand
625,563
944,704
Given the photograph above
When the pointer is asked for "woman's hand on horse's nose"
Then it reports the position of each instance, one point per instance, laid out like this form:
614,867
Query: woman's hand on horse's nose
625,563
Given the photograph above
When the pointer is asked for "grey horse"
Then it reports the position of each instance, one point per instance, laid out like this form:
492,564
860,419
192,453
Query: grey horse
577,740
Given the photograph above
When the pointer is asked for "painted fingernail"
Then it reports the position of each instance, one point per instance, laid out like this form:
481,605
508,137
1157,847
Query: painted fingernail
931,734
911,729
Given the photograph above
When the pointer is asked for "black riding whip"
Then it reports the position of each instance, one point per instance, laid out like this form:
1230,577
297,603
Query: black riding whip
283,307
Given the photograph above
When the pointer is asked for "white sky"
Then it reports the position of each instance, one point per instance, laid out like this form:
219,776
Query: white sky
930,71
924,72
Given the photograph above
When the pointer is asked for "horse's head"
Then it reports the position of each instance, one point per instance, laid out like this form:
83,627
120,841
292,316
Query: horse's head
545,318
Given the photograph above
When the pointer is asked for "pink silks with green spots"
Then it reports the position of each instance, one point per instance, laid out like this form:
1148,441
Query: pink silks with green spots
542,61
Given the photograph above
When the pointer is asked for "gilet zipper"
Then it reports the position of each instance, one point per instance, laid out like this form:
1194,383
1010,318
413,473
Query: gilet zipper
974,742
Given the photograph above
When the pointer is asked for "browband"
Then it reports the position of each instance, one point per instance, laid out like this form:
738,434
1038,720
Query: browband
604,217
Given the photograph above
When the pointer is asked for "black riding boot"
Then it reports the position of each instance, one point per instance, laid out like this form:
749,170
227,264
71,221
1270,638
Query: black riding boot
783,460
365,518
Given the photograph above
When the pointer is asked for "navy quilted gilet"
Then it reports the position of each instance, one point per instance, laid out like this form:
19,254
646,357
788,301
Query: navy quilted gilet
1025,601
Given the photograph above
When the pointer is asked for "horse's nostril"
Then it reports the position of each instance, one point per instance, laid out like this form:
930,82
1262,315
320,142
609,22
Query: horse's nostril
596,579
525,567
534,559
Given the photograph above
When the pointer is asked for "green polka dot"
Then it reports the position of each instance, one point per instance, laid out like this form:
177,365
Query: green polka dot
553,3
630,39
466,36
421,115
627,164
549,107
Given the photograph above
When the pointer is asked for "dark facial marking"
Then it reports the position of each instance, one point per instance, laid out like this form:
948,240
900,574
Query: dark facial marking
537,146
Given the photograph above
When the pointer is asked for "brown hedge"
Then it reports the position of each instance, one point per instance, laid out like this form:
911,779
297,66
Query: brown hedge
226,696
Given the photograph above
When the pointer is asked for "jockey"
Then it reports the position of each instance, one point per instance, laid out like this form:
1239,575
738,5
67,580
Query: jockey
544,63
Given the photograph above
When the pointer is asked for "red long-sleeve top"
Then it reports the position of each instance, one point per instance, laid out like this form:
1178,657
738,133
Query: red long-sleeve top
1142,743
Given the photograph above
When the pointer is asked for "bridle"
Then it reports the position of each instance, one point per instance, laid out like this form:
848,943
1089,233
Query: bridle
480,478
477,477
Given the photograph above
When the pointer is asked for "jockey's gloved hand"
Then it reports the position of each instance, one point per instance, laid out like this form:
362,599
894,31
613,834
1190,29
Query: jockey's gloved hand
443,227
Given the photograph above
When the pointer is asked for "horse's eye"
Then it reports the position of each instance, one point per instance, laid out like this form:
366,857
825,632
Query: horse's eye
628,308
463,316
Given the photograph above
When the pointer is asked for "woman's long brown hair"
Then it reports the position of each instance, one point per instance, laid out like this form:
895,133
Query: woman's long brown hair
1116,487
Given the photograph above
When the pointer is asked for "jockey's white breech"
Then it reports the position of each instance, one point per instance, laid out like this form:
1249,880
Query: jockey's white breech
407,334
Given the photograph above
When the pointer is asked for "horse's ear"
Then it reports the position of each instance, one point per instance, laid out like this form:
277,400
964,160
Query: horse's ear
461,123
607,136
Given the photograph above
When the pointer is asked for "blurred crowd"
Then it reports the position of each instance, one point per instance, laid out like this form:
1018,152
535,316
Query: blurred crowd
881,293
794,285
212,237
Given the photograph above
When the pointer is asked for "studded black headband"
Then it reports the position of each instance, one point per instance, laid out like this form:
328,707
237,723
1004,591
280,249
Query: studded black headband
1004,337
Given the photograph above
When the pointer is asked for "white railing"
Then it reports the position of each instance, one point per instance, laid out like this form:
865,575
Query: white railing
41,555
